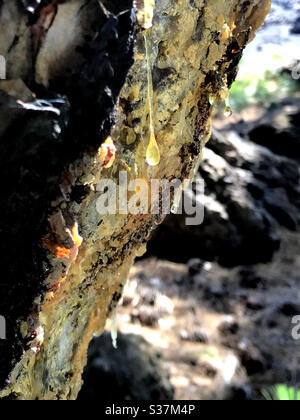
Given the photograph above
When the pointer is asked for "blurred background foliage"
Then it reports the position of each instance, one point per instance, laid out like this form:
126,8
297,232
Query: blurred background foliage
252,89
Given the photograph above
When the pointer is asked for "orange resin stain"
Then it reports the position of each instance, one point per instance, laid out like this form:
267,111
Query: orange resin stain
77,242
69,254
107,153
62,252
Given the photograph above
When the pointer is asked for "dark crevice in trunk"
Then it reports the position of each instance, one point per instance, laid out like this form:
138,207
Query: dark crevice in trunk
76,115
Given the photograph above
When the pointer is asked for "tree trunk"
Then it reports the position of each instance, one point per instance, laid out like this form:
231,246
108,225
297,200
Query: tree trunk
76,74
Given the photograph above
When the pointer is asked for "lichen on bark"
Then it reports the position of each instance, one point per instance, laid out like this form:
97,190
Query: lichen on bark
77,73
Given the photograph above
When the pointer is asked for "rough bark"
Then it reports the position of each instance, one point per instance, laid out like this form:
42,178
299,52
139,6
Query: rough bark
76,73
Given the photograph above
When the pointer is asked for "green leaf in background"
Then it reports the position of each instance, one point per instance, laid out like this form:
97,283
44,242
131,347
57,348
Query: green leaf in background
281,392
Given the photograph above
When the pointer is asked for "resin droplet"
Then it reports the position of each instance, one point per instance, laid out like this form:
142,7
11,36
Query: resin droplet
227,111
177,200
114,330
212,100
153,153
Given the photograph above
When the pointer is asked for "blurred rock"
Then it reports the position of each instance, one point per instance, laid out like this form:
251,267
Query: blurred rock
135,371
252,188
207,369
289,308
256,302
195,266
251,358
148,295
238,392
164,305
249,279
280,207
213,291
196,335
296,28
127,300
278,130
199,280
146,315
228,325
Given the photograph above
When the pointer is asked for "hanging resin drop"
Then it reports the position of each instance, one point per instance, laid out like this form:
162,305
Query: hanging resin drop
177,200
152,153
212,99
227,110
114,331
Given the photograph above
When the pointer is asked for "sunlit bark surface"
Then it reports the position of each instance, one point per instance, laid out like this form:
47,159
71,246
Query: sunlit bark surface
77,73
